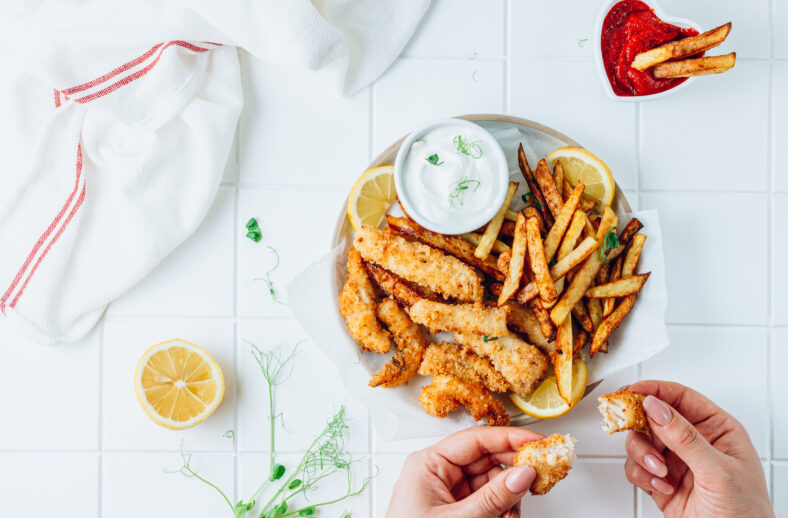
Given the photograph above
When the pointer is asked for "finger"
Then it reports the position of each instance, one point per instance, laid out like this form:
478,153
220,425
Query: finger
694,406
642,451
681,436
466,446
645,480
477,481
514,512
488,461
461,490
497,496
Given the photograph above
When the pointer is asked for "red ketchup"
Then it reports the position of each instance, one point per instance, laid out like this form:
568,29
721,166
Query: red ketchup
631,27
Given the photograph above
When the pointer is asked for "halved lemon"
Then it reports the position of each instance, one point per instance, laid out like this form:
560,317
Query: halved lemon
371,196
545,402
581,164
178,384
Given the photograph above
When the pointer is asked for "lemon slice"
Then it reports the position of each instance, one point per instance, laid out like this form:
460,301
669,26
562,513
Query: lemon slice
545,402
371,196
581,164
178,384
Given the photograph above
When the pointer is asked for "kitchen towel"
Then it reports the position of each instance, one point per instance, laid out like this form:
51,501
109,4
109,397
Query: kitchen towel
118,121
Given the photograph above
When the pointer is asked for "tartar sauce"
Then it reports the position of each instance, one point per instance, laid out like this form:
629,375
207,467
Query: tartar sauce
452,173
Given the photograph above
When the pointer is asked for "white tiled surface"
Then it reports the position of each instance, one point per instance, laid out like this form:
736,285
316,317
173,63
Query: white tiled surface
712,159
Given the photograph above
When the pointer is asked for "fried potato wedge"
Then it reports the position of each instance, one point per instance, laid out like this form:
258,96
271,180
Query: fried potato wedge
610,323
548,187
562,222
452,245
459,361
358,307
533,186
446,394
465,318
494,226
695,67
620,288
682,48
538,262
517,261
562,360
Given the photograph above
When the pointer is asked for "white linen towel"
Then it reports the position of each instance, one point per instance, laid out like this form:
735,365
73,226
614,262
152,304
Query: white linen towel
118,122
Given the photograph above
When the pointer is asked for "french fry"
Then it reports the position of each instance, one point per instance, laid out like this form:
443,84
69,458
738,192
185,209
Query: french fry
621,288
510,215
562,221
581,339
453,245
585,276
608,304
586,205
531,212
548,187
543,317
538,262
517,261
507,228
681,48
624,237
491,232
695,67
566,190
575,257
392,285
558,178
529,292
474,239
610,323
572,234
503,261
533,186
562,360
594,307
521,319
581,314
633,254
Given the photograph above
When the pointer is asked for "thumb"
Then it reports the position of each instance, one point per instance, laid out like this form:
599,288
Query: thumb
679,435
498,495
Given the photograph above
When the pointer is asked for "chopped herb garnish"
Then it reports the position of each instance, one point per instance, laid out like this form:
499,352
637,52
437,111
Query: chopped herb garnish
254,233
458,194
267,279
472,56
553,262
433,159
529,199
490,338
471,149
582,42
559,351
473,76
609,243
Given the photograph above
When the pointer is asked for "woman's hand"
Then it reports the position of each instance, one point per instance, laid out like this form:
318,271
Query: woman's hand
462,476
699,461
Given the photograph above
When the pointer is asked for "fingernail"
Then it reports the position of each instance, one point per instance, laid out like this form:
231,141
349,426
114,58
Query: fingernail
622,388
662,486
657,410
519,479
654,465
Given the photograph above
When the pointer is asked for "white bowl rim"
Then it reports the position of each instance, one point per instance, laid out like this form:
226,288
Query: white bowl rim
600,65
413,211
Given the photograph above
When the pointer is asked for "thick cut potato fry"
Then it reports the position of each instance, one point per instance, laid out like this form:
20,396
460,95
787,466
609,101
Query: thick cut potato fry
573,233
581,339
562,360
548,187
594,307
609,304
523,296
558,178
621,288
517,261
531,212
585,276
581,314
393,286
575,257
610,323
474,239
549,329
491,232
538,262
510,215
695,67
503,262
633,255
452,245
681,48
507,228
562,222
585,205
533,186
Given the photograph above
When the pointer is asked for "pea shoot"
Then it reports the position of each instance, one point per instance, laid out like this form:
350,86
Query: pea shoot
464,147
458,194
267,279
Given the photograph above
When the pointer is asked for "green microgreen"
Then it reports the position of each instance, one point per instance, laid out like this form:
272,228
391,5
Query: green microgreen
458,194
489,338
326,457
529,199
609,243
582,42
473,55
553,262
267,279
433,159
253,230
229,434
473,76
464,147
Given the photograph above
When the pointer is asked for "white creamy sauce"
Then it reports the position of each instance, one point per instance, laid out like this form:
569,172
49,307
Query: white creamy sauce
462,180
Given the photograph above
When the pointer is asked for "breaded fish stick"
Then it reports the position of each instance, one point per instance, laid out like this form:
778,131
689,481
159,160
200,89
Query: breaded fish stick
552,458
357,305
458,361
520,363
623,410
445,394
419,263
471,318
393,286
410,342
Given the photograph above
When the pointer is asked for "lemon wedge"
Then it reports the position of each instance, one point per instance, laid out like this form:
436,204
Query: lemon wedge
546,402
371,196
178,384
582,165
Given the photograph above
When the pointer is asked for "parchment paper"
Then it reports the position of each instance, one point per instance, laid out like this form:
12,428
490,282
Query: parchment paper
396,413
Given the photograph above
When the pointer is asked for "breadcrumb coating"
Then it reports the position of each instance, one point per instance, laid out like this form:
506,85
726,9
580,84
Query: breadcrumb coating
551,457
357,305
469,318
410,342
450,359
623,410
445,394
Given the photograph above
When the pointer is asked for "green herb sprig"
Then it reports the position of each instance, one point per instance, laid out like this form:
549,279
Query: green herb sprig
609,243
582,42
458,194
253,230
529,199
433,159
464,147
489,338
267,279
326,457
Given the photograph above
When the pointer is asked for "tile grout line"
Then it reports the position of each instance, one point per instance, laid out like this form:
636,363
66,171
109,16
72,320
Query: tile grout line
100,439
769,251
236,255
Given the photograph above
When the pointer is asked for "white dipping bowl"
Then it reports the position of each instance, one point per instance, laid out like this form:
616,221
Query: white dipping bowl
472,221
